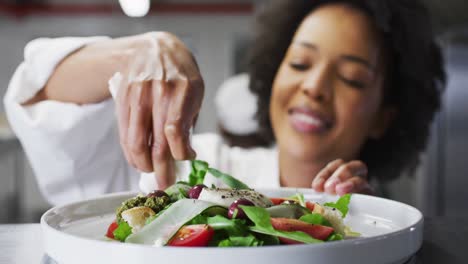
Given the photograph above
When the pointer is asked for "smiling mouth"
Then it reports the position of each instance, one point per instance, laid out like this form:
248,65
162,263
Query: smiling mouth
305,120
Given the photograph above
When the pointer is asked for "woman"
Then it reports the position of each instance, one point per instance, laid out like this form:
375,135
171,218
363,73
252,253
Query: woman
338,81
403,78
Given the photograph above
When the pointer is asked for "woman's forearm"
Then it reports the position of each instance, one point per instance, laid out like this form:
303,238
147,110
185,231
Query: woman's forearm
82,77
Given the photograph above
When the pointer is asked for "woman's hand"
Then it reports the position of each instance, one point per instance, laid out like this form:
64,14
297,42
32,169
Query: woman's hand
158,100
340,177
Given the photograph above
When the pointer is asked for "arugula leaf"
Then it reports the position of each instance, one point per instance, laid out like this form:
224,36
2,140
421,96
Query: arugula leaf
178,191
335,237
241,241
316,219
350,233
122,231
299,197
198,220
199,169
232,233
267,240
342,204
228,179
182,193
225,243
232,227
200,165
260,217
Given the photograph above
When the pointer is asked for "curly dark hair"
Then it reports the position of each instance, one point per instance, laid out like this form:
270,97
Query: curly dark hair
414,78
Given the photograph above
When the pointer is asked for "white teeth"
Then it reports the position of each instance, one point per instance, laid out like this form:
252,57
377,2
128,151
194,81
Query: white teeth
308,119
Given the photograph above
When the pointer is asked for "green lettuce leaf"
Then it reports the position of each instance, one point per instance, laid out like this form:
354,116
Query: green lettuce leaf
316,219
241,241
299,197
199,169
232,227
260,217
122,231
342,204
200,219
228,179
267,240
335,237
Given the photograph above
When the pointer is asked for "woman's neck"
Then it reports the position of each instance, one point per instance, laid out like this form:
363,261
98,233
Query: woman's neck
295,172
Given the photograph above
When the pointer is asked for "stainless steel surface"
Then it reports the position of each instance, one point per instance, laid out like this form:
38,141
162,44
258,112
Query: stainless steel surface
11,175
21,244
454,153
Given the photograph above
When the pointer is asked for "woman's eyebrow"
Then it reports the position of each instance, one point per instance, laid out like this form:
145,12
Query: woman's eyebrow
352,58
306,44
359,60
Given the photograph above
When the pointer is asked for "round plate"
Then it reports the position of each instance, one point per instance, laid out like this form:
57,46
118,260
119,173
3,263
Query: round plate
391,233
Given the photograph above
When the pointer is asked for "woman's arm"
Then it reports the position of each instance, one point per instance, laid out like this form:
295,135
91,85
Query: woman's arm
158,98
82,76
74,150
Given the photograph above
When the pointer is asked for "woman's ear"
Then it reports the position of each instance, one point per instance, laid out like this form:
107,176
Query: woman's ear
382,122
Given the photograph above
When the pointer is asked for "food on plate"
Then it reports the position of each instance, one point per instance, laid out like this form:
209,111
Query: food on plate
191,214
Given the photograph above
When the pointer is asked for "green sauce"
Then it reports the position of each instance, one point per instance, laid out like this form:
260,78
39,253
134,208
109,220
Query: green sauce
155,203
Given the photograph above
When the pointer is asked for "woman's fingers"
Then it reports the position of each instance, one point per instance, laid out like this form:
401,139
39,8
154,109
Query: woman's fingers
140,126
163,165
163,162
123,118
355,184
182,113
344,172
183,74
324,174
337,173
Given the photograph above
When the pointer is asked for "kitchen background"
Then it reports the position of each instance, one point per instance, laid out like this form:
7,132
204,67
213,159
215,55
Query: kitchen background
218,32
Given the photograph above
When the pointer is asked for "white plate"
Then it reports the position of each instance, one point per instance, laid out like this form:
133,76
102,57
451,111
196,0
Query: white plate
391,233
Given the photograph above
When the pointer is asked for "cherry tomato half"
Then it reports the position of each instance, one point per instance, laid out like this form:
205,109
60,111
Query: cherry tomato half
110,230
192,236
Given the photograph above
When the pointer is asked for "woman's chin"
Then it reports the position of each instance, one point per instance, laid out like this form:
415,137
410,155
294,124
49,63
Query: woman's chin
302,151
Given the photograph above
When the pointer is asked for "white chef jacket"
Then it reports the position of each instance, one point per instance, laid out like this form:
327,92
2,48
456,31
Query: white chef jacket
74,149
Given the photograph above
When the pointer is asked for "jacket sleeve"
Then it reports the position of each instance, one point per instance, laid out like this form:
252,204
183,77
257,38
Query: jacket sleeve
73,149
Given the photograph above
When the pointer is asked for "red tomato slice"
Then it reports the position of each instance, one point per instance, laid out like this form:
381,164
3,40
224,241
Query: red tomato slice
110,230
315,231
310,205
277,201
192,236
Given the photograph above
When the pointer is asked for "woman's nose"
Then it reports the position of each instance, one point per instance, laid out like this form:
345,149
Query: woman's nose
317,84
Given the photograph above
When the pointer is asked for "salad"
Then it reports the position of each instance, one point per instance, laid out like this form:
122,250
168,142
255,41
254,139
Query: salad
191,214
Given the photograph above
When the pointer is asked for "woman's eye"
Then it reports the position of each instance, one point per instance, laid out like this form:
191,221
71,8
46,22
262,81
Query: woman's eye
353,83
299,66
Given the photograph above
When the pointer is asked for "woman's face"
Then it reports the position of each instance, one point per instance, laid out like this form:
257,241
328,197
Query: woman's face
327,94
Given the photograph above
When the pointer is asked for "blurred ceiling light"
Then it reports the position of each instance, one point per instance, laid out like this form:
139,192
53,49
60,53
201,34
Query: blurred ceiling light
135,8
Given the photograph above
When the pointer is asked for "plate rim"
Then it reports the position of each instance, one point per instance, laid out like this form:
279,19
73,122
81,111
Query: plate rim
343,243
